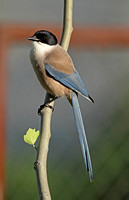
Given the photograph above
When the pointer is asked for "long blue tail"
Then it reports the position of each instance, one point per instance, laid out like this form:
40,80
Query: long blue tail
81,132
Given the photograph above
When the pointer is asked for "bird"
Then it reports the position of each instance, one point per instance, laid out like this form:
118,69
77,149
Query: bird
56,73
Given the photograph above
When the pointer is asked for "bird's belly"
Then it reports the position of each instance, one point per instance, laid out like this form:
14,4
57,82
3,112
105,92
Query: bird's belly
50,85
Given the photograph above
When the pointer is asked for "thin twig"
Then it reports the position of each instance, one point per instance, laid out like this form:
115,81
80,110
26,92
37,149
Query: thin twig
67,24
41,162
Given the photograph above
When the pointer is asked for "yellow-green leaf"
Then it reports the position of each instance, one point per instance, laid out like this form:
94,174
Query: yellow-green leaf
31,136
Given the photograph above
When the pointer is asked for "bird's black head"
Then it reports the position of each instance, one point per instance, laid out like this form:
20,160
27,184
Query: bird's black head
44,37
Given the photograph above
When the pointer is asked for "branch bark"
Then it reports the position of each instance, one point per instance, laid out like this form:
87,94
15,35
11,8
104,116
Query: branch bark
45,133
67,24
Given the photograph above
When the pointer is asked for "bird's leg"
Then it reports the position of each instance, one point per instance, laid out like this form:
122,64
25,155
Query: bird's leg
52,98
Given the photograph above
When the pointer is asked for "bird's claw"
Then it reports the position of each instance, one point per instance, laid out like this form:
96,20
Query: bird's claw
44,105
40,108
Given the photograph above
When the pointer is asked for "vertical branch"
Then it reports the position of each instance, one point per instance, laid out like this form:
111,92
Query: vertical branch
45,132
67,24
41,161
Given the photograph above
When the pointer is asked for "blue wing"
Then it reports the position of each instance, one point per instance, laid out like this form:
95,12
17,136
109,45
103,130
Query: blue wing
72,81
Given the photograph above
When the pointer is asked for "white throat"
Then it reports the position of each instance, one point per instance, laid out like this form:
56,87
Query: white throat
41,48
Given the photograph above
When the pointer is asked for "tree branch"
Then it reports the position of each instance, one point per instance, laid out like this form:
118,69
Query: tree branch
67,24
41,162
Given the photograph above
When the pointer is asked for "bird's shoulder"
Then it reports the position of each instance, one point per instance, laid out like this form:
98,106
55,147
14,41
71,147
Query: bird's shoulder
60,60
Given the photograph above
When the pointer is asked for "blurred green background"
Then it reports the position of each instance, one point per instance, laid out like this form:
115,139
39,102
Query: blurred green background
105,73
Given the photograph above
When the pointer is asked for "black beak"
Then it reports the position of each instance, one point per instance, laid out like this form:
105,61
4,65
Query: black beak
33,38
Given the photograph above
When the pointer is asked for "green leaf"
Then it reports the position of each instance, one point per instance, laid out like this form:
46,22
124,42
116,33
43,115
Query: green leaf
31,136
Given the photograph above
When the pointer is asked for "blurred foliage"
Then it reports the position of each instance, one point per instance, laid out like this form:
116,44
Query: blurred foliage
67,176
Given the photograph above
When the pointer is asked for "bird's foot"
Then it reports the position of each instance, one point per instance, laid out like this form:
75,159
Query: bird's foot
44,105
